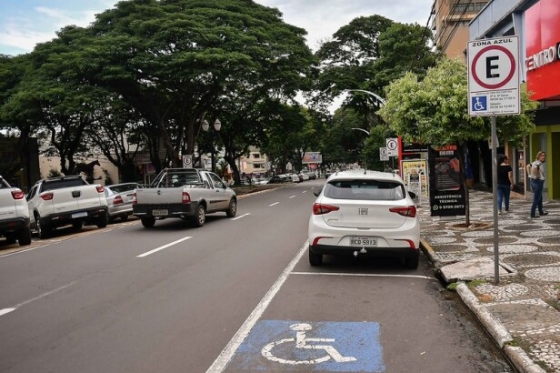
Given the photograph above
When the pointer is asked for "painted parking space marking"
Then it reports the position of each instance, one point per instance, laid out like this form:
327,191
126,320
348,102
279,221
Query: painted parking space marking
305,191
361,275
286,345
292,197
274,204
241,216
163,247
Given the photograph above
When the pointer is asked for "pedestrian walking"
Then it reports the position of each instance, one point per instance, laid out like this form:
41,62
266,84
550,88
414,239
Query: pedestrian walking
505,182
537,184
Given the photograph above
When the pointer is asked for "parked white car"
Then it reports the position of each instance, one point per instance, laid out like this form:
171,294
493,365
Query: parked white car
364,213
14,216
67,200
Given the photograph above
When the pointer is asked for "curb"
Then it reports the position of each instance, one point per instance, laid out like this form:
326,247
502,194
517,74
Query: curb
518,357
499,333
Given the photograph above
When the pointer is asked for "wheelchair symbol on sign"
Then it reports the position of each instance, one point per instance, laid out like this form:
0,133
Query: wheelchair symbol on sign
301,344
479,103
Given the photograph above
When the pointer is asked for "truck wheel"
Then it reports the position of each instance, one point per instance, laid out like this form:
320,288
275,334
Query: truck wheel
200,216
411,262
102,223
24,237
232,208
11,238
44,231
148,222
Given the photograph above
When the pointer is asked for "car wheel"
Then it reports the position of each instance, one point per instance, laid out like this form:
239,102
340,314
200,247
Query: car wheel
148,222
77,225
103,220
232,208
200,216
411,262
315,259
11,238
44,231
24,237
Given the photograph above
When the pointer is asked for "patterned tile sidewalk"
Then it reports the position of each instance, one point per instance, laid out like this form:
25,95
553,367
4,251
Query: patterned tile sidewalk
526,301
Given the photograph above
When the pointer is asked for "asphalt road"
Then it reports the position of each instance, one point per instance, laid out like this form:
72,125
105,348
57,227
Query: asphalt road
236,295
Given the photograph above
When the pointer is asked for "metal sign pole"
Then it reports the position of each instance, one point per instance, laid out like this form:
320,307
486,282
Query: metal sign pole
495,199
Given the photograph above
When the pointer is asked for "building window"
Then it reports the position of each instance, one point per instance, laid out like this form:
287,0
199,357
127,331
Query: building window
257,166
462,8
256,155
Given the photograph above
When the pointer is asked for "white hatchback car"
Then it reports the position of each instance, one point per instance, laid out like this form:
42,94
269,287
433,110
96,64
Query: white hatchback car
364,213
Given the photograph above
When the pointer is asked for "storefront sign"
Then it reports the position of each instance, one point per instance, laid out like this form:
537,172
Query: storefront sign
414,174
543,50
447,192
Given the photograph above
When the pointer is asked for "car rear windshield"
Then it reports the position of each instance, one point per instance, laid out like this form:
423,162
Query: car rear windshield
177,178
62,183
123,187
373,190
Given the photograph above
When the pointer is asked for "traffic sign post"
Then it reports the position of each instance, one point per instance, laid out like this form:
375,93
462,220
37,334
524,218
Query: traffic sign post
392,145
383,154
493,70
493,76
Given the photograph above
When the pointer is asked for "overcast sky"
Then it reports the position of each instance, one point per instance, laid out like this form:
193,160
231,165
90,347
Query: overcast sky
24,23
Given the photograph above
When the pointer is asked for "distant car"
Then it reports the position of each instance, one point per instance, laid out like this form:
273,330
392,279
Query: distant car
303,176
328,173
364,213
278,179
295,178
119,200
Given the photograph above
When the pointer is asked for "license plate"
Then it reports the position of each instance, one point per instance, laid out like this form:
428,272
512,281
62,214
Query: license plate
79,215
159,212
363,241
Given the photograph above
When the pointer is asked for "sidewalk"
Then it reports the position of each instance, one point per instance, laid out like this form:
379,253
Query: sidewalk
521,312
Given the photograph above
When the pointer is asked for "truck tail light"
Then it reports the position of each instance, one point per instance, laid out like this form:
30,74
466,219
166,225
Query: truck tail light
99,189
409,211
47,196
18,194
186,197
321,209
117,200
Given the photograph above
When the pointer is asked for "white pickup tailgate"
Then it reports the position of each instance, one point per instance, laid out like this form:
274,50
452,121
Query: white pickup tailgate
154,196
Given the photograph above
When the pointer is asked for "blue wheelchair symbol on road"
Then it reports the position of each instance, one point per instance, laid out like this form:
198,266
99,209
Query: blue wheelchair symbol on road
479,103
319,346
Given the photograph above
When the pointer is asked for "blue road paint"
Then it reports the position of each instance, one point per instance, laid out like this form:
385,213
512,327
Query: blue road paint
291,346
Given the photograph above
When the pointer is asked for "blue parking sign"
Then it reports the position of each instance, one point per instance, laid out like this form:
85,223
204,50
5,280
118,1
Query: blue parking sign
290,346
479,103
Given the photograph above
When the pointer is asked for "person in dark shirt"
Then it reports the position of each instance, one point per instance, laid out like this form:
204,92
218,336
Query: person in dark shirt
505,182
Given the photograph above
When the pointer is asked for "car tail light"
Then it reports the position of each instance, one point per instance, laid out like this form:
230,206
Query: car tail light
409,211
320,209
186,197
117,200
134,199
47,196
99,189
18,194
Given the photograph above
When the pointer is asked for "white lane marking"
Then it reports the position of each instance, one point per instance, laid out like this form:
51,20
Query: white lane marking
7,310
360,275
305,191
274,204
163,247
241,216
225,356
292,197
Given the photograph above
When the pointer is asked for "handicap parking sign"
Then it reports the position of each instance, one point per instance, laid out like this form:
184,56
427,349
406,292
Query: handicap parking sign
282,345
479,103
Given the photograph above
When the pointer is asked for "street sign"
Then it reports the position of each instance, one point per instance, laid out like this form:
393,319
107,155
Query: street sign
187,161
493,71
392,145
383,154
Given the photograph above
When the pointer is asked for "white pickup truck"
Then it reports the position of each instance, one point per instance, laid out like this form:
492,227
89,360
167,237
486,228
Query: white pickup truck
185,193
14,216
68,200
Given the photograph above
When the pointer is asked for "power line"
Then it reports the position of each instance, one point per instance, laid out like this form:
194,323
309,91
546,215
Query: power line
456,25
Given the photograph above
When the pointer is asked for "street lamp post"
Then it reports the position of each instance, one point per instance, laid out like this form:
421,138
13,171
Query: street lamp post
367,132
205,127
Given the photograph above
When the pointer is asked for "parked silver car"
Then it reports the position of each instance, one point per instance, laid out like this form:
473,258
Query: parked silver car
119,200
